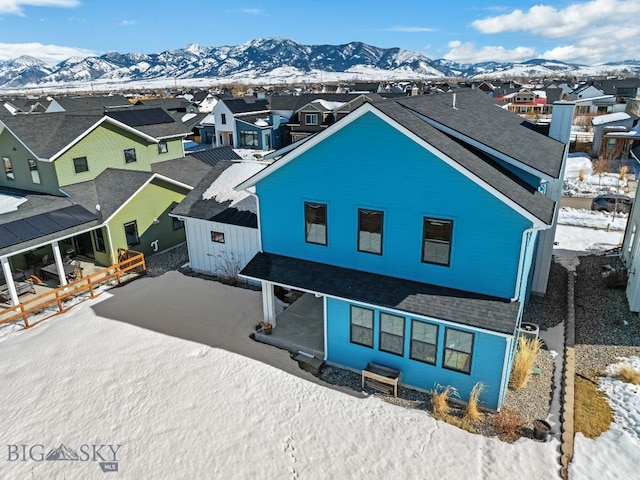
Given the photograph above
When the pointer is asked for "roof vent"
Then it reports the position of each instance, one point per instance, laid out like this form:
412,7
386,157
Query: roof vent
454,102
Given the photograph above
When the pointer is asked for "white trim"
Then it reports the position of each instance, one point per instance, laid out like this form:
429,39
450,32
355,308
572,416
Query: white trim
49,242
521,259
96,125
326,327
388,309
504,380
149,180
368,108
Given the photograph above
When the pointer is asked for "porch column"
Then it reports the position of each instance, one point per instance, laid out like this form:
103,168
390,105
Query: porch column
8,277
268,303
59,266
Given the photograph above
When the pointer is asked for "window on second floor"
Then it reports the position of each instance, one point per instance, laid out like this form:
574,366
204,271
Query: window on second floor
8,168
311,118
80,164
436,241
163,147
33,168
315,220
223,118
370,231
130,155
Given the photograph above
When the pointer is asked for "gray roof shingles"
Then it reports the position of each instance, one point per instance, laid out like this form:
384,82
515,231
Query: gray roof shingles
194,206
464,308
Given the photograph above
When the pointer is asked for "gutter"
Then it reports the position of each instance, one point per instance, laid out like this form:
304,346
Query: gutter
525,234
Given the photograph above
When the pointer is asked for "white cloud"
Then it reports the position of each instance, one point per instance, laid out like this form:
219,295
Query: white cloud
128,23
467,53
47,53
15,6
595,30
409,29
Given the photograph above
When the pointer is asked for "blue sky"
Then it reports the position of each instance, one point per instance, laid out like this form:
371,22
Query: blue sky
590,31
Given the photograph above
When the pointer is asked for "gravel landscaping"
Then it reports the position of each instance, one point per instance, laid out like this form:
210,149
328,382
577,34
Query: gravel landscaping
605,328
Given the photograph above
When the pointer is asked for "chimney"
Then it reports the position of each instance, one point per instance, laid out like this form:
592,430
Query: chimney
561,121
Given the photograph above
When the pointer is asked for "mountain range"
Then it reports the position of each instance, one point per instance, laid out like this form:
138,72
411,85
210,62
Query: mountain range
273,60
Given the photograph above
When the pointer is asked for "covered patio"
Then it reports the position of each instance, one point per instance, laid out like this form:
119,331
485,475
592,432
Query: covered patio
299,328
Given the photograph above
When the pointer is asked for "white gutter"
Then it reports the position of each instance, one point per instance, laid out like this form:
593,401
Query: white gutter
504,379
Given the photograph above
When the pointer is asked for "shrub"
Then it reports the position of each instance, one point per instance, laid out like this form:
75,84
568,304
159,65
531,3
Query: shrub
629,375
472,414
525,356
439,400
581,175
509,425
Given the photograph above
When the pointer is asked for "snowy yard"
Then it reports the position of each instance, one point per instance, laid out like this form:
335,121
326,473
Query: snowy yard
185,410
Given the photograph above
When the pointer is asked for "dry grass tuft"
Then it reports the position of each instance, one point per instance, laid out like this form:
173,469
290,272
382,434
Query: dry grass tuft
525,356
509,425
592,413
439,401
629,375
472,414
581,175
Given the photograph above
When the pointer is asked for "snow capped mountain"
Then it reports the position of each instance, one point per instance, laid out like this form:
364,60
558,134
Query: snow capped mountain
274,60
62,453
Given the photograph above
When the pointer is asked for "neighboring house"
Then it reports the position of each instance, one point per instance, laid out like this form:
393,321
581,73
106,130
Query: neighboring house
613,135
415,251
225,113
86,103
92,183
221,224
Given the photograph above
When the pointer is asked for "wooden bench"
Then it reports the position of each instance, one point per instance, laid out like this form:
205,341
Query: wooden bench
381,378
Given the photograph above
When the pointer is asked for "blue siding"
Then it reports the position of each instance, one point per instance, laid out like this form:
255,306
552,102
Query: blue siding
369,164
486,366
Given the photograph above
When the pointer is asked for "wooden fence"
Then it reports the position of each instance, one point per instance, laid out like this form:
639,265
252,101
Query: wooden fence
34,310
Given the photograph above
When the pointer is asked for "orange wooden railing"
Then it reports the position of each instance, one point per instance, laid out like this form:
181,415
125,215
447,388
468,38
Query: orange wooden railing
129,262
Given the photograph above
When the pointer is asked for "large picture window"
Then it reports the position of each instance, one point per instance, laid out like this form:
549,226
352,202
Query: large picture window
436,241
392,334
370,231
8,168
248,139
315,220
424,342
131,232
458,350
80,165
362,326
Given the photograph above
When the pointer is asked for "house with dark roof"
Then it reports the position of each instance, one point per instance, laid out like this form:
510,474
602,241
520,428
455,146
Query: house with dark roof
246,122
221,224
409,230
89,183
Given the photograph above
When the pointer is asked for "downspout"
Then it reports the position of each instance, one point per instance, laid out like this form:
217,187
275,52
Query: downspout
525,233
110,243
255,195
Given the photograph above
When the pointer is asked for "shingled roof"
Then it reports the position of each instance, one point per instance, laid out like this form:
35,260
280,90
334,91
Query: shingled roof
465,308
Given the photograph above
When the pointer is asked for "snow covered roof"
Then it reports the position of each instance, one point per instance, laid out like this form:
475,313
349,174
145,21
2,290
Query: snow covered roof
10,203
610,117
221,190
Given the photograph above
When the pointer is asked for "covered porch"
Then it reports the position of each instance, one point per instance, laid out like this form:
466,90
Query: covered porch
300,327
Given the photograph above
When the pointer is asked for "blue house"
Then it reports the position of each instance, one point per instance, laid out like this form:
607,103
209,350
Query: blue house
412,226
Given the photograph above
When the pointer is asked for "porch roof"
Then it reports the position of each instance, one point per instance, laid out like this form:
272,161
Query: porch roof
465,308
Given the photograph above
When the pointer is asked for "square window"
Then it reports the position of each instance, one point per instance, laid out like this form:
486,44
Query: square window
80,164
458,350
311,118
131,233
8,168
370,231
362,326
436,241
217,237
315,219
130,155
162,147
392,334
424,342
177,223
